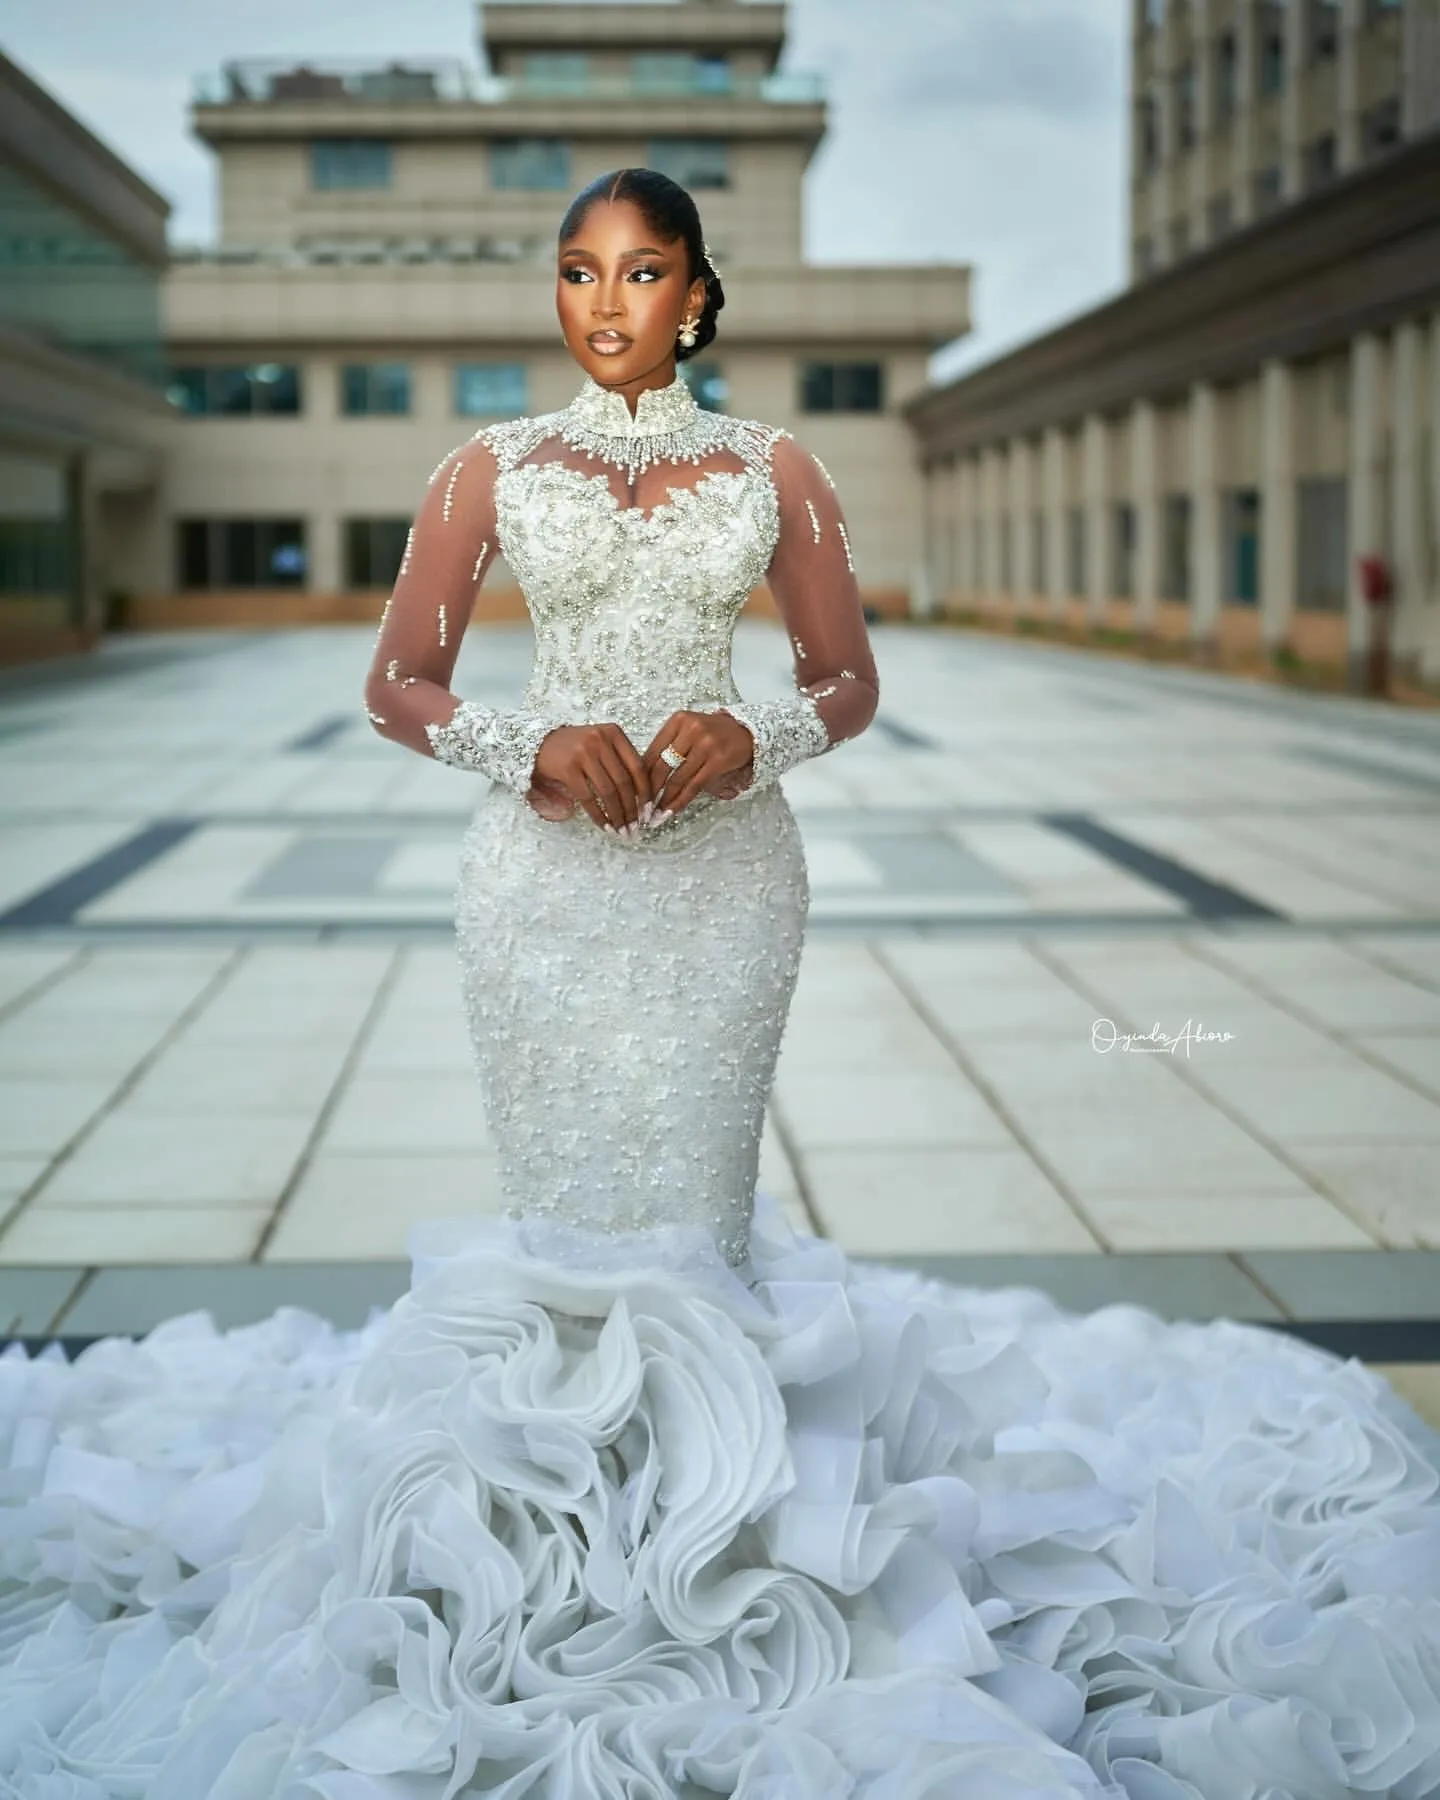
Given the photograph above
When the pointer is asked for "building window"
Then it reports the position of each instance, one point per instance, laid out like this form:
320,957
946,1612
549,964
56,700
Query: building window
39,531
1144,256
538,163
350,163
1242,531
1180,239
674,72
706,381
1323,545
1007,570
1380,128
1227,77
1148,128
1122,550
373,550
1267,189
1154,13
241,553
555,72
491,390
1038,535
1325,31
370,390
235,390
1219,216
1175,548
1185,105
1272,62
1075,550
842,387
693,162
1321,161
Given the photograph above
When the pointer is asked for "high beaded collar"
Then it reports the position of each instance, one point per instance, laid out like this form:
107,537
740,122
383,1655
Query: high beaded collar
658,412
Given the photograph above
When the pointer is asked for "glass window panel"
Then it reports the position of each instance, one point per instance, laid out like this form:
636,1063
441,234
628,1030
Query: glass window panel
556,72
186,390
350,163
373,549
706,381
693,162
537,163
234,563
276,387
374,389
194,553
280,545
713,74
842,387
229,391
817,387
487,390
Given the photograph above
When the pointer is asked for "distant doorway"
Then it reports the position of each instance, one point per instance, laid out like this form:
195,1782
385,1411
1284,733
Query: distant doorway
1242,537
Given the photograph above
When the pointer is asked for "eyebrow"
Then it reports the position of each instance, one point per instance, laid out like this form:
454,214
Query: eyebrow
625,255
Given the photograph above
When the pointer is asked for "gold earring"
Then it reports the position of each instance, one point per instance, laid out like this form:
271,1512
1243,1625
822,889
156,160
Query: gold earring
688,335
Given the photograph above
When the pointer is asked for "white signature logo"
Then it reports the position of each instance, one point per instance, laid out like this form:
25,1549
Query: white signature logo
1105,1036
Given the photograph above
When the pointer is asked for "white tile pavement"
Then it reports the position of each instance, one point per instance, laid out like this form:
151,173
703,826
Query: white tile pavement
193,1072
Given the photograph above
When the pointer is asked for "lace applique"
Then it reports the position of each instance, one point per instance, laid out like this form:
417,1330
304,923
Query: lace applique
785,731
502,745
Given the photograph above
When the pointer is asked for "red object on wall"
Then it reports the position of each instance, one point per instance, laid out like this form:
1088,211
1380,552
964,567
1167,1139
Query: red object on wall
1376,582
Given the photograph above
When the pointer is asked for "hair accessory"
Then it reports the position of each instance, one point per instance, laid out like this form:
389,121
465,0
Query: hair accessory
709,256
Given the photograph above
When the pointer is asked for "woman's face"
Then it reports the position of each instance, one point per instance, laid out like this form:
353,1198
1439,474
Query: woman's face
622,294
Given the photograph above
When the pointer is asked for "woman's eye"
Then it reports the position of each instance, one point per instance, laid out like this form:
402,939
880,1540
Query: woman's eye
575,275
650,274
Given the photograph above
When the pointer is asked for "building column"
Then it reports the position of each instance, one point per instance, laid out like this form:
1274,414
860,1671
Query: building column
967,549
1145,490
992,473
1430,636
1206,566
1279,503
1366,490
1095,489
1407,491
1053,484
1348,90
1022,501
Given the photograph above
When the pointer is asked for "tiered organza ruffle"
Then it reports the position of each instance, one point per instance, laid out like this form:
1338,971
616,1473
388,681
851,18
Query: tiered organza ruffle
644,1527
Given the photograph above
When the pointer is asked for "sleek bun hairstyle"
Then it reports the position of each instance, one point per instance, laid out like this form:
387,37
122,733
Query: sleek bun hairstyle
670,212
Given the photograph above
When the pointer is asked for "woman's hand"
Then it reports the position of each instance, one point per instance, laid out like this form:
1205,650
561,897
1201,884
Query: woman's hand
717,749
592,766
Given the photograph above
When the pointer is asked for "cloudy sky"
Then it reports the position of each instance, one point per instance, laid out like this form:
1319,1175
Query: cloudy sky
983,131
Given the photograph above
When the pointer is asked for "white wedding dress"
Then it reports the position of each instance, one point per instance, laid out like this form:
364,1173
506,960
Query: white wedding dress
638,1494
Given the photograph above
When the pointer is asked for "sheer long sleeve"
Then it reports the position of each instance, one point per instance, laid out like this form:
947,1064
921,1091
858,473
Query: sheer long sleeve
407,692
812,577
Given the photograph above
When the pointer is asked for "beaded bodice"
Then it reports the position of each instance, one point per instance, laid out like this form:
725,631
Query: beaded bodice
636,544
636,539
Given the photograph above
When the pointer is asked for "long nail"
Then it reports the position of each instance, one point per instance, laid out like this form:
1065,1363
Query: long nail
661,817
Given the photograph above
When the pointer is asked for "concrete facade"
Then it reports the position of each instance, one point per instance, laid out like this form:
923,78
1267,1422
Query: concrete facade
440,258
83,419
1224,441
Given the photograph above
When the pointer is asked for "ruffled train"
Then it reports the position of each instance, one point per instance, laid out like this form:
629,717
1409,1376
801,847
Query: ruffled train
587,1521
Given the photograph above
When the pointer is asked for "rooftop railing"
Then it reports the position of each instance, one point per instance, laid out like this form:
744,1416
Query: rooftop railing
271,83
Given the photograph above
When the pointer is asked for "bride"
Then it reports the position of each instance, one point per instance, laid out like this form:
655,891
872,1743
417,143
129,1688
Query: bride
639,1494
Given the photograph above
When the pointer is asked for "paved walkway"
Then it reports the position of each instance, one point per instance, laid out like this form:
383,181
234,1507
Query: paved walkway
233,1067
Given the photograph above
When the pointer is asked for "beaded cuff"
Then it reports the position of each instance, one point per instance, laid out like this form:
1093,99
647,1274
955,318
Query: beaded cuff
785,731
502,745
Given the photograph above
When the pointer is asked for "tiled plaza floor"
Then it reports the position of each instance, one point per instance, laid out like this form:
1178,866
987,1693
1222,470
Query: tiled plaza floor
233,1068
